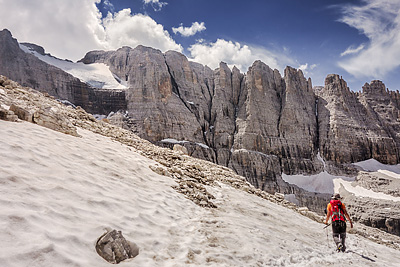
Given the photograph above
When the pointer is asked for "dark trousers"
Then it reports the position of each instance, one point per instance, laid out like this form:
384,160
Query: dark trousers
339,232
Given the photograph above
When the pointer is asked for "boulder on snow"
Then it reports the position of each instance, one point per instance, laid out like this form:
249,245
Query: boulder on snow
114,248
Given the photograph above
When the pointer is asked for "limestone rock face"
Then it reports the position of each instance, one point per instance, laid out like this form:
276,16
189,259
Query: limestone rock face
385,106
155,107
357,126
28,70
276,126
298,125
259,124
35,73
224,108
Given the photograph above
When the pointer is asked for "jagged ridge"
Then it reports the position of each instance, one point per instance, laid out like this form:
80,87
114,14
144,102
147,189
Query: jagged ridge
258,123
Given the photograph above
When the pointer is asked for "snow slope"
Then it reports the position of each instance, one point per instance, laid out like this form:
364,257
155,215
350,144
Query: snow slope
58,193
97,74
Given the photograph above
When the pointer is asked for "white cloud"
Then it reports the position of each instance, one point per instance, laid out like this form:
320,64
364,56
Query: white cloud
236,54
306,68
123,28
190,31
379,20
351,50
69,29
108,5
156,4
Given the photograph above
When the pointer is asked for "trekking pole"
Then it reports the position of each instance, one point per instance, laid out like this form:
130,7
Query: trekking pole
327,225
327,238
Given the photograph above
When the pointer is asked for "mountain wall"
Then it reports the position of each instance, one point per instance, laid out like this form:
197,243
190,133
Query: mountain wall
30,71
358,126
259,124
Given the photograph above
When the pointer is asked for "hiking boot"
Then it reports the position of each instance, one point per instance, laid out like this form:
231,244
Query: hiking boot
340,248
343,249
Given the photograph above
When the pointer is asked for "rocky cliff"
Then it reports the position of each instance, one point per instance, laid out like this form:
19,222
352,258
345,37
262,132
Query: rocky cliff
358,126
30,71
259,124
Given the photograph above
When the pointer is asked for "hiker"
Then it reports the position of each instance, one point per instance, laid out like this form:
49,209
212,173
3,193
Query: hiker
338,211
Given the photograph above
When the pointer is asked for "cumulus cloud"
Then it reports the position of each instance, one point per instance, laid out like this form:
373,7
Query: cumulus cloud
235,54
123,28
69,29
65,28
379,21
190,31
156,4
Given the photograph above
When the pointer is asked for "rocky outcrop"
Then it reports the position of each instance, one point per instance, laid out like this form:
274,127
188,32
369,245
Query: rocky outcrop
379,182
39,113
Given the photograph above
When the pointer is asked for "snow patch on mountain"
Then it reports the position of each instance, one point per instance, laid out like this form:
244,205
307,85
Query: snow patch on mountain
372,165
97,74
322,182
359,191
326,183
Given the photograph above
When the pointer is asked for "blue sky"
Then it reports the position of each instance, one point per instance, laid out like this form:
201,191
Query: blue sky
358,39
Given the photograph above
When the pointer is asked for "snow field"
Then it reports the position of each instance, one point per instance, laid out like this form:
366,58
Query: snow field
58,193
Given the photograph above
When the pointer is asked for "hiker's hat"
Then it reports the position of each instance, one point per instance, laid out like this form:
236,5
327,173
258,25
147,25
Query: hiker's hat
336,196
